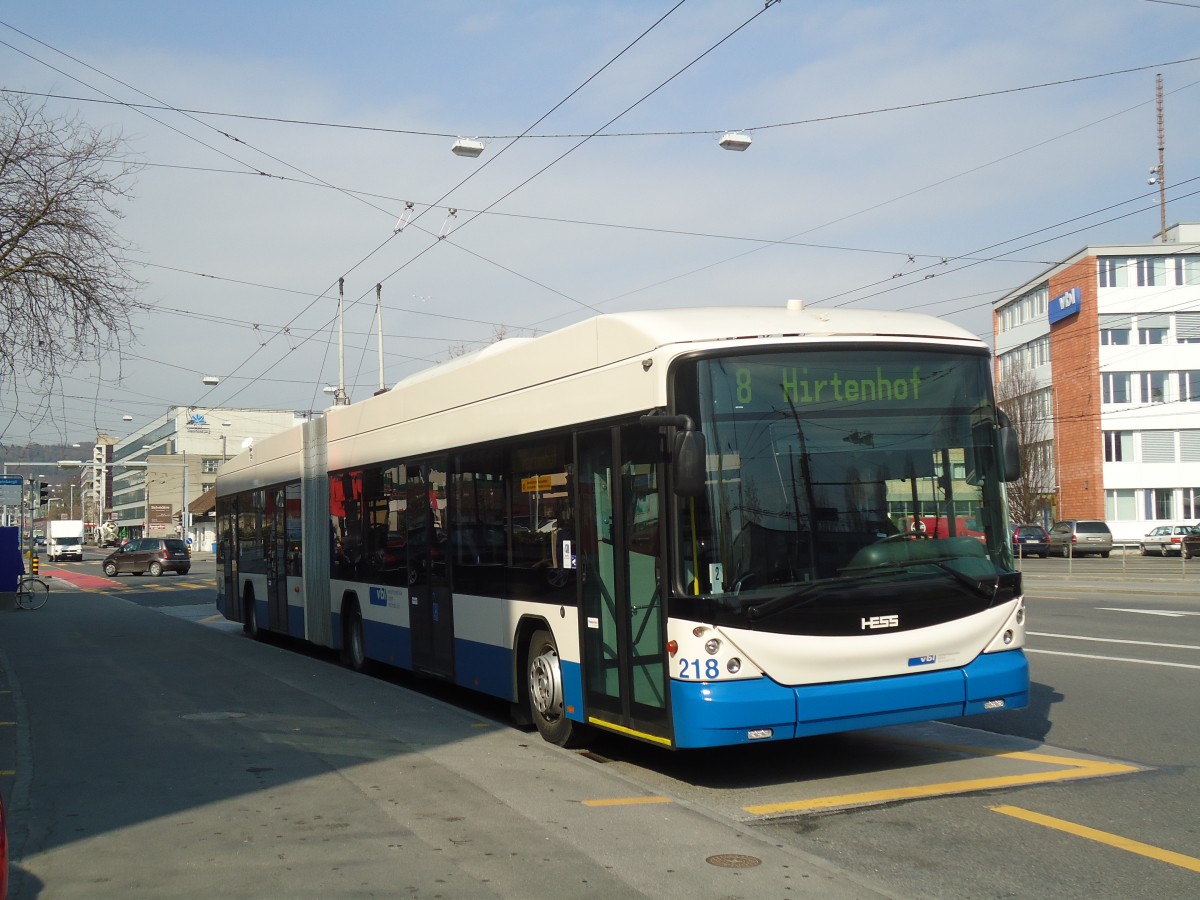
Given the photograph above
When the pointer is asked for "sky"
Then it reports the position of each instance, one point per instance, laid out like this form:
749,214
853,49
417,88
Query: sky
925,156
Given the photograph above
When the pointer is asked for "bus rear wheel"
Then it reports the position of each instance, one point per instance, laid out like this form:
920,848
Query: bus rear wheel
546,693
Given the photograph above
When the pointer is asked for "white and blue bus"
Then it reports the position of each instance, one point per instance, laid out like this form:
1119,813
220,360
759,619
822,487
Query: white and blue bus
696,527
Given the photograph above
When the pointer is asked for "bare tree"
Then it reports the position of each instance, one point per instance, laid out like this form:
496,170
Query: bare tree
66,295
1027,404
461,348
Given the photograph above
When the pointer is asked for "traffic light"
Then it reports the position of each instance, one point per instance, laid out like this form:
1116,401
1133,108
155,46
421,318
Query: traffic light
43,493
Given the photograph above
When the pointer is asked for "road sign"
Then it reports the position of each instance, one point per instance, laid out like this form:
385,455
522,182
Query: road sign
11,488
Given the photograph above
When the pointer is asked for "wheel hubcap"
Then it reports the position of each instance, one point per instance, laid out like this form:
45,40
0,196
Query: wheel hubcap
545,684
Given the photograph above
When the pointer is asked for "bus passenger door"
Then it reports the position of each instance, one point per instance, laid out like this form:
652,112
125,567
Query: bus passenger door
626,678
430,613
275,544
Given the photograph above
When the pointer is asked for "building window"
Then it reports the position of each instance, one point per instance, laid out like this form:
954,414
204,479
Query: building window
1159,503
1154,386
1189,445
1116,387
1120,506
1191,503
1118,446
1187,270
1187,328
1153,329
1112,272
1189,387
210,465
1158,446
1115,330
1151,271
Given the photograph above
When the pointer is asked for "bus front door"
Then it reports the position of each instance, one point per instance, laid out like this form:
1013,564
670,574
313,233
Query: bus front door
430,612
275,525
623,615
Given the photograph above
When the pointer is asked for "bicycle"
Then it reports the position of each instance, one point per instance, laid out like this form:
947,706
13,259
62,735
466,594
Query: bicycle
32,592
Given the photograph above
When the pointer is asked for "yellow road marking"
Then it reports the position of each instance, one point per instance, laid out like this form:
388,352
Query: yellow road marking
1103,837
8,772
215,617
666,742
627,801
1073,768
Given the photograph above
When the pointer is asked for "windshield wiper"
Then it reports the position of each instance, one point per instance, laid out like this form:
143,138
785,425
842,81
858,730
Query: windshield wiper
775,604
982,588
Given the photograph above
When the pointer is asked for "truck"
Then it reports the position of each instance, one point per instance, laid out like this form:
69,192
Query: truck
64,539
108,535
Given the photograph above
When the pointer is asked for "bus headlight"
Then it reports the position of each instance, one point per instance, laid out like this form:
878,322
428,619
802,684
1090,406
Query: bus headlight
734,666
1008,636
711,646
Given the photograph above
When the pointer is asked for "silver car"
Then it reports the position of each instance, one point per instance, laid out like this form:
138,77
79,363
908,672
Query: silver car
1164,540
1080,537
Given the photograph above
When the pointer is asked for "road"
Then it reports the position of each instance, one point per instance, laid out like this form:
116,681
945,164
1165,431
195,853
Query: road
157,746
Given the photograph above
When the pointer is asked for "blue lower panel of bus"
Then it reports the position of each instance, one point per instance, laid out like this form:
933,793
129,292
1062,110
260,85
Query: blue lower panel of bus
484,667
740,712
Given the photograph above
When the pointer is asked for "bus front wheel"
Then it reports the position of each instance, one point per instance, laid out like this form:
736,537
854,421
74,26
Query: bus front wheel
546,692
250,617
354,655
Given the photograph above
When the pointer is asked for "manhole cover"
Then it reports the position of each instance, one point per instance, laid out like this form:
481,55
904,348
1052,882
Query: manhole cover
733,861
213,716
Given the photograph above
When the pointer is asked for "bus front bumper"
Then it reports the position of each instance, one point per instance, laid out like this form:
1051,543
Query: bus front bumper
721,713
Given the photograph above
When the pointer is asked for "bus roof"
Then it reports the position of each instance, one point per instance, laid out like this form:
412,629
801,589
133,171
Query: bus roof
598,363
615,336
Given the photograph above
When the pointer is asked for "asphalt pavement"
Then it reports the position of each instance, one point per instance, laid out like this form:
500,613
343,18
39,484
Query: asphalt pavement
143,756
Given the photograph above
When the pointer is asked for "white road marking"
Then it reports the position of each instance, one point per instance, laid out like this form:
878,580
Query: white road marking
1080,637
1144,662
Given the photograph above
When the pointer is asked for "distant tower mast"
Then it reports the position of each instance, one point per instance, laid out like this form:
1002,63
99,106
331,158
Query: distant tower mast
1162,172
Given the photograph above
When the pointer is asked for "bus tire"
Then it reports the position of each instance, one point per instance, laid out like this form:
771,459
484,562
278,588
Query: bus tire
546,692
353,653
250,617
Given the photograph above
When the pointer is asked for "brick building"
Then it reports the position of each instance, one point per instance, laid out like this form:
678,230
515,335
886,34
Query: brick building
1110,338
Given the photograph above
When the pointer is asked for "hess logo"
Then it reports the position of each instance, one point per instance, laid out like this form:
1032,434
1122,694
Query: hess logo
880,622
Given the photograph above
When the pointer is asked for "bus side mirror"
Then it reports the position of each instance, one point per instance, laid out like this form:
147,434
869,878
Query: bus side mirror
690,463
1010,453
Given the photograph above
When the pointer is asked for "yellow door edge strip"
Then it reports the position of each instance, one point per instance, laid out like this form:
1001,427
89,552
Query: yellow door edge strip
627,801
658,739
1190,863
1078,768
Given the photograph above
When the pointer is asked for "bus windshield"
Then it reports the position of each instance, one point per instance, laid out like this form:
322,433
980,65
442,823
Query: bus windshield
833,472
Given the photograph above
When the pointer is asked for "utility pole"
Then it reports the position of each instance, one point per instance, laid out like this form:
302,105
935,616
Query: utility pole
341,391
379,328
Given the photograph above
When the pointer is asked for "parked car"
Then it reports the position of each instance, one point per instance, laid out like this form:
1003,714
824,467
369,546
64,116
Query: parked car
1164,540
1189,546
1080,537
1030,540
153,555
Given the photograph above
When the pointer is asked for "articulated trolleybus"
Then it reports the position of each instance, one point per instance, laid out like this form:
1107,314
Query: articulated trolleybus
696,527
